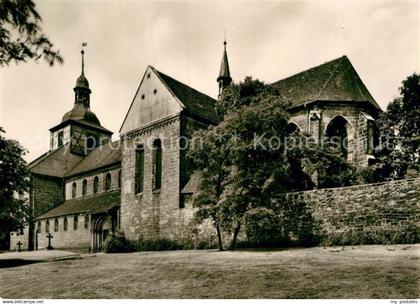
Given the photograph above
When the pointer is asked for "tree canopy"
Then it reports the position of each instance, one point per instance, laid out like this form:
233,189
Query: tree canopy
249,158
21,37
14,182
398,151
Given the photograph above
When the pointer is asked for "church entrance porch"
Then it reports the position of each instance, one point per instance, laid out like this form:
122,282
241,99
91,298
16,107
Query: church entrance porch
103,225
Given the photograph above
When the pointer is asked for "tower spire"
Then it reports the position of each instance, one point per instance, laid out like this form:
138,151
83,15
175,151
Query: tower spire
224,78
81,90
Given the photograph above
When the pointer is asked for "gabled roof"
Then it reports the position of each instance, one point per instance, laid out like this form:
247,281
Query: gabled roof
99,157
195,102
55,162
90,204
336,80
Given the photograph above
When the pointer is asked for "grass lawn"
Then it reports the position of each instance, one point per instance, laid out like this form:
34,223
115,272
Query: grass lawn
349,272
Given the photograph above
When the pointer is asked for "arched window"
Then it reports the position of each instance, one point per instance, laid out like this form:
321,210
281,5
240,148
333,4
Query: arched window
56,225
108,181
119,179
47,226
60,138
66,224
336,134
95,184
157,164
73,190
38,229
75,222
84,187
139,169
86,221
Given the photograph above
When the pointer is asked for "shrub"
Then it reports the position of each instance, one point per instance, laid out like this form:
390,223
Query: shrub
117,244
262,227
369,236
156,245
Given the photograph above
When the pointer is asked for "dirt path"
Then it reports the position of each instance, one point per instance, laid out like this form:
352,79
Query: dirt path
359,272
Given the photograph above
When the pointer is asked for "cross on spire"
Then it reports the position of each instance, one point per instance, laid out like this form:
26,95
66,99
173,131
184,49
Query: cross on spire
83,44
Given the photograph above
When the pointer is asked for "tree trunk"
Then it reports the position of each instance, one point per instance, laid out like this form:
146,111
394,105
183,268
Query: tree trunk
219,237
235,236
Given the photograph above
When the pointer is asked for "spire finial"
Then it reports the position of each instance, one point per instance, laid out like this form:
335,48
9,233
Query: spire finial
83,56
224,78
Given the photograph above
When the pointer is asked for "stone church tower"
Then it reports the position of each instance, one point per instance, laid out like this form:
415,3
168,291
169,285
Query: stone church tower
80,127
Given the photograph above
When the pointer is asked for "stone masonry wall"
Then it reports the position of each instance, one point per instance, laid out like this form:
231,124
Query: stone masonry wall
373,213
356,128
70,238
152,213
101,174
47,192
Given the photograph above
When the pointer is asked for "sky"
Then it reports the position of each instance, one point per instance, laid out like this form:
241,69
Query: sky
268,40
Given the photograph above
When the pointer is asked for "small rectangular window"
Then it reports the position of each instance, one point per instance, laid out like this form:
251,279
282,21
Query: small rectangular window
86,221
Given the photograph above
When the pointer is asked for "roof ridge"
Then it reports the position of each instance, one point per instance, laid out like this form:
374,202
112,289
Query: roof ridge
311,68
331,76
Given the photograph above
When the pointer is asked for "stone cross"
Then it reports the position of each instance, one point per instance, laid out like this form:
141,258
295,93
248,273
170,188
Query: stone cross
49,236
19,244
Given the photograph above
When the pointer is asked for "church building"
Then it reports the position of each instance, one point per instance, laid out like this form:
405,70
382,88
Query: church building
87,186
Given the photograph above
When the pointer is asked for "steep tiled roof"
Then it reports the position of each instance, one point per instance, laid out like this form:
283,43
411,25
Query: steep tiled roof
101,156
91,204
56,162
336,80
195,102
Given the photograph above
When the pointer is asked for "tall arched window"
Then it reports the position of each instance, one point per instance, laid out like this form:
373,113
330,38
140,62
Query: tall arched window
108,181
95,184
75,222
38,229
56,225
139,169
157,164
119,179
337,136
84,187
73,190
47,226
66,224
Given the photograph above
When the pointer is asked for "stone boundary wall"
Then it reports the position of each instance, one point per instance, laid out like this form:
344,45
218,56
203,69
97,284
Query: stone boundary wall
387,212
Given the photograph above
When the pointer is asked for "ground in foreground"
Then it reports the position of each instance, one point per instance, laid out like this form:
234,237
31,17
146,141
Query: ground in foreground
348,272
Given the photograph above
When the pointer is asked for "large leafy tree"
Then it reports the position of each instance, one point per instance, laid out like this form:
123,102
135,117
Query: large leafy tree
247,159
14,210
399,129
21,37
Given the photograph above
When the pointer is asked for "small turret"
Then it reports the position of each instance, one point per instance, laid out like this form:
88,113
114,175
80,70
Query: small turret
224,78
